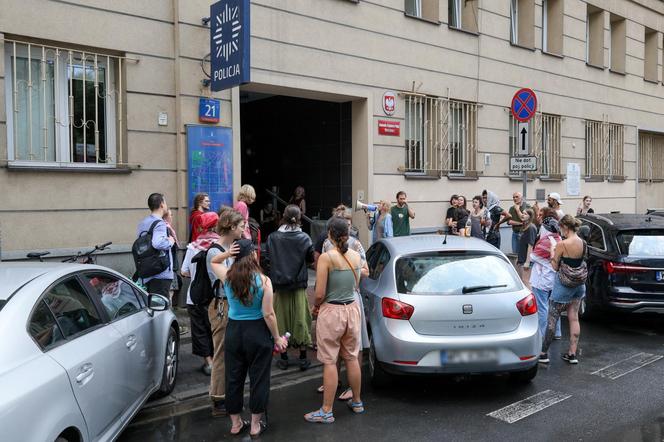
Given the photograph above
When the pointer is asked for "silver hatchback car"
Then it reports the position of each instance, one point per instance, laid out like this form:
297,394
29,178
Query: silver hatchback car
453,305
82,349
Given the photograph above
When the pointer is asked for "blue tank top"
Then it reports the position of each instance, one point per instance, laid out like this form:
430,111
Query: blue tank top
240,312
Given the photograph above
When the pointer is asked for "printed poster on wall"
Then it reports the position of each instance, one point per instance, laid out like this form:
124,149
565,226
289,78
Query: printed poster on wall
573,179
210,164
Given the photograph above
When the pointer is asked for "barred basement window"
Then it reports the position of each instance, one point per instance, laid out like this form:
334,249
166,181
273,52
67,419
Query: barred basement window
605,147
651,157
63,106
441,135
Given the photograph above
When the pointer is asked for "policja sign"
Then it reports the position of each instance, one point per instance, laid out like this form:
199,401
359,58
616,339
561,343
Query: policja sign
229,43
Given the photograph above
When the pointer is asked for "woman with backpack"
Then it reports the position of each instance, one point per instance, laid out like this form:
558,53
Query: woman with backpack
290,251
201,333
568,259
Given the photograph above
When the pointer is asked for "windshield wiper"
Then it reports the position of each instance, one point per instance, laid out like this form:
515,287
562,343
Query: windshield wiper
479,288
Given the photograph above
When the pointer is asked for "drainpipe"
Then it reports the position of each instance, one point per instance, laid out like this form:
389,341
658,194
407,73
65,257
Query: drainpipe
636,184
179,139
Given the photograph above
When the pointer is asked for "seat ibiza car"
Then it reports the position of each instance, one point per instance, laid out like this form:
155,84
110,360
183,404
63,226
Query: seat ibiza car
82,349
450,305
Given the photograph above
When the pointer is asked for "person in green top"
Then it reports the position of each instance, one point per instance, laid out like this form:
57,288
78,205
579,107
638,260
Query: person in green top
401,215
516,211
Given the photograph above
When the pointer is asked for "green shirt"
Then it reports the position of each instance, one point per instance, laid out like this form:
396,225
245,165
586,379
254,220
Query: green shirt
400,220
515,217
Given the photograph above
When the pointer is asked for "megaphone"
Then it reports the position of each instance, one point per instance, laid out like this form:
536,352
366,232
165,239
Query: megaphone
366,207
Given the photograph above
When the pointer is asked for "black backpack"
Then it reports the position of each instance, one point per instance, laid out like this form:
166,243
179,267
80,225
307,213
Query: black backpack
201,291
148,260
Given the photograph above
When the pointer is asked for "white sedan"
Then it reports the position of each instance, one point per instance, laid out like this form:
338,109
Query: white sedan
82,349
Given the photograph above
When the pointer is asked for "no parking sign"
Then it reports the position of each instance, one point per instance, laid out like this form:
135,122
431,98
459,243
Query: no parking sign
524,105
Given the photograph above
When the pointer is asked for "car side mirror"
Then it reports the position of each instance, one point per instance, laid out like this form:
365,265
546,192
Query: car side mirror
157,303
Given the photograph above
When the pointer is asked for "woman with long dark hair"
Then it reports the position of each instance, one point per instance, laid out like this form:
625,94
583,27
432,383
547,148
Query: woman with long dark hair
251,335
338,324
290,251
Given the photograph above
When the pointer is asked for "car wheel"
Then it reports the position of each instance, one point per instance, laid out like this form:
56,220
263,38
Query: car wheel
171,362
379,377
524,377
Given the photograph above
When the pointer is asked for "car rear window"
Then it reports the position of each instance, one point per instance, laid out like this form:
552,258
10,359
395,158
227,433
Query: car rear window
2,303
641,242
448,273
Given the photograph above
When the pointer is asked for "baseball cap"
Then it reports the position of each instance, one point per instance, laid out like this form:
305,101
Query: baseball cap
246,248
556,196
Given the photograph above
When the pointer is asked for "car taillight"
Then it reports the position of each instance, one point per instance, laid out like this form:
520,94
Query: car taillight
396,309
618,267
527,306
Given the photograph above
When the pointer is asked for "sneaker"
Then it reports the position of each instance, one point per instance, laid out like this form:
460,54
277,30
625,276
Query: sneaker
557,338
570,358
206,369
304,364
544,358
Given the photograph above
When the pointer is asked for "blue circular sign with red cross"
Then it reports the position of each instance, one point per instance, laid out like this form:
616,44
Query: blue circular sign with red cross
524,105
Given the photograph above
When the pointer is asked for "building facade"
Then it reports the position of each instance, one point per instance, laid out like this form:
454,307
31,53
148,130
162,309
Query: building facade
351,99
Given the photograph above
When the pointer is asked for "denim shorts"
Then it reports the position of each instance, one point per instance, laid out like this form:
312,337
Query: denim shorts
563,294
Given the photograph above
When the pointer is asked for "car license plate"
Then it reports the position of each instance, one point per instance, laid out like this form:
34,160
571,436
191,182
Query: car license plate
659,276
453,357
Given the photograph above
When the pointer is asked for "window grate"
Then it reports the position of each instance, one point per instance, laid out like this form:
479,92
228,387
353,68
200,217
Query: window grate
441,135
65,105
605,145
651,157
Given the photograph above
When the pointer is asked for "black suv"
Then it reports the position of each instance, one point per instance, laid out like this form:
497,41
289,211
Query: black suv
625,263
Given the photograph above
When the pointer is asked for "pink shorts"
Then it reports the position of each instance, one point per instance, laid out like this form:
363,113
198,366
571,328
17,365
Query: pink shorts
338,332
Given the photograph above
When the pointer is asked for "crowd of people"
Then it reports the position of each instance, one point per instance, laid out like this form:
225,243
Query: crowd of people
253,314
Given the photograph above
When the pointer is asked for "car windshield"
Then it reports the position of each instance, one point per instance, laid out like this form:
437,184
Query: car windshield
641,242
449,273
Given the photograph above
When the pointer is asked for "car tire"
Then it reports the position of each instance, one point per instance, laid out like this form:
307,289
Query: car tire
379,377
524,377
171,363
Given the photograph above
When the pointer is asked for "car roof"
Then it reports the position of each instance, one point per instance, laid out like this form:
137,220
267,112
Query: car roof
14,275
404,245
626,221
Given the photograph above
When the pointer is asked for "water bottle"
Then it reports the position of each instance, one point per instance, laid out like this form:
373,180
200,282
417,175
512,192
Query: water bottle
276,350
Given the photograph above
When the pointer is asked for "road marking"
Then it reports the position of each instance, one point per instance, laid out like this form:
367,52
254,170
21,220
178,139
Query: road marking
531,405
621,368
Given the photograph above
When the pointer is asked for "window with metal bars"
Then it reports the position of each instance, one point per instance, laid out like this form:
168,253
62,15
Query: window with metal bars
545,137
441,136
651,157
63,106
605,145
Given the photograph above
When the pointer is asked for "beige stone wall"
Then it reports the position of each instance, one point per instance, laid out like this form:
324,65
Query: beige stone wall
330,49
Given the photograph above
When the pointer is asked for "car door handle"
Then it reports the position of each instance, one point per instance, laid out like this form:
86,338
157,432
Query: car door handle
131,342
86,372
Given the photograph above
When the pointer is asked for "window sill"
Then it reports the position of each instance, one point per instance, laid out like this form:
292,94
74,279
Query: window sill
470,175
420,176
623,73
648,80
465,31
553,177
553,54
424,19
595,66
653,180
519,177
517,45
594,179
26,167
617,179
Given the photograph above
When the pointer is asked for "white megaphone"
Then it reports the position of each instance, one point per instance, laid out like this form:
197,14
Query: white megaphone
366,207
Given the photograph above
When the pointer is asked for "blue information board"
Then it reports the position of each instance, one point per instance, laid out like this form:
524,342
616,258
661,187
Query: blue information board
210,164
229,43
209,110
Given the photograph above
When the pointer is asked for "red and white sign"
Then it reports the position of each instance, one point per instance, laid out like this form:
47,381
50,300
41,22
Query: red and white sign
389,102
389,127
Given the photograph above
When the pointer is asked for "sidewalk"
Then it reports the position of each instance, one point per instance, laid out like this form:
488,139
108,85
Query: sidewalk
192,383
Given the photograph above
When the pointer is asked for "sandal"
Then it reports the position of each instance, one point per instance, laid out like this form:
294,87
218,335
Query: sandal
356,407
243,428
263,426
346,395
319,417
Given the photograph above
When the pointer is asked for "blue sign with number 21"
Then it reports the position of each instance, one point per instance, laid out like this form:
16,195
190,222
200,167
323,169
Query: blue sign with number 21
209,110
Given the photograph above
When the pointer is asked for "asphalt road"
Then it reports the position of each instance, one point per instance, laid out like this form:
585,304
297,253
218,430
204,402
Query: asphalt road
616,393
